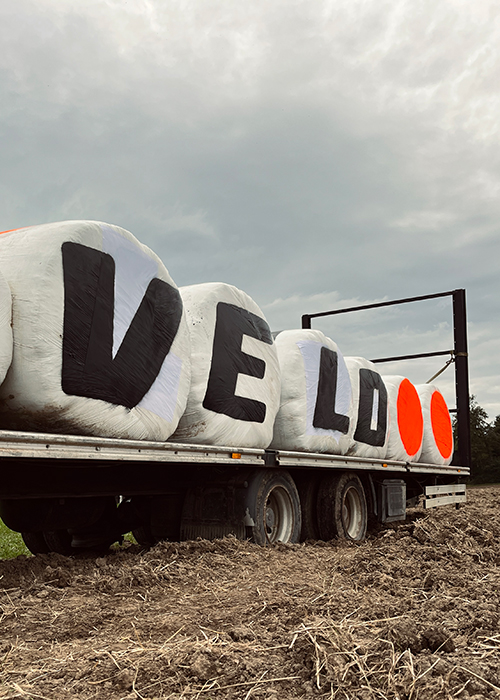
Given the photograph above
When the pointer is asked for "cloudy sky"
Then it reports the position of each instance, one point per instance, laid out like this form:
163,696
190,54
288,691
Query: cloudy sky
315,154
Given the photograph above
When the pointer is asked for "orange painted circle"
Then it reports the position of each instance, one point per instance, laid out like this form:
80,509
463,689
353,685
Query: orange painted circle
441,425
410,418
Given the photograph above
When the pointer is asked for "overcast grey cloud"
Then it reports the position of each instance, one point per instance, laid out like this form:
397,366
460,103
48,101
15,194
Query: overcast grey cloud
314,154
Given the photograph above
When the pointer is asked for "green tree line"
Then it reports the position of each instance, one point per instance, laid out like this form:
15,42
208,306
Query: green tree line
485,445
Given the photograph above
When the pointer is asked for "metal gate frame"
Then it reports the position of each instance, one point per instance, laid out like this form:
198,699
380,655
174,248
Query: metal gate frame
459,355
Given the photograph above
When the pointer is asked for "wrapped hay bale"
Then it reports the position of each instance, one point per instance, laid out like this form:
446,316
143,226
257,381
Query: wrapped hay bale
5,328
235,387
101,345
406,420
437,443
316,403
370,424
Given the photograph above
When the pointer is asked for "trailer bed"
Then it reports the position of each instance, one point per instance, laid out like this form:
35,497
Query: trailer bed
84,465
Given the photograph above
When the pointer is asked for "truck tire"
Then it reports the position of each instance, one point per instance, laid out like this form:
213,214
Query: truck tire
35,542
144,536
342,510
59,541
273,505
308,492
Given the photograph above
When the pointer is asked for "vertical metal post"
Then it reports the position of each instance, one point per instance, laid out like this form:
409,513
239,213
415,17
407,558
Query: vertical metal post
461,377
306,321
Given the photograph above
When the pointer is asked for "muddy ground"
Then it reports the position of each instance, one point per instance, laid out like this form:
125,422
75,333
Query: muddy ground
411,613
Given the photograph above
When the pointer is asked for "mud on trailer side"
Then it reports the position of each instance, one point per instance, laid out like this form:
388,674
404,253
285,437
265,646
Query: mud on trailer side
68,493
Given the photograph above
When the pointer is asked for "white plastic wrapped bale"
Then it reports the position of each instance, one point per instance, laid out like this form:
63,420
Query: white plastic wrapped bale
235,386
5,328
101,345
437,444
406,424
316,401
370,423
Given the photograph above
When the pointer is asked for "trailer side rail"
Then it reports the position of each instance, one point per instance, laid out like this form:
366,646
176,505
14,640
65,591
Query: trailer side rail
81,449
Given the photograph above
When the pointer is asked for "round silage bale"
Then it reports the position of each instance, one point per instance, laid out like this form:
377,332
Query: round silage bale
437,443
370,424
101,345
235,386
406,420
316,402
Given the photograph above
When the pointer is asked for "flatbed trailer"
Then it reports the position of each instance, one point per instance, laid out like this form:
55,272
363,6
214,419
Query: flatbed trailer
68,493
97,338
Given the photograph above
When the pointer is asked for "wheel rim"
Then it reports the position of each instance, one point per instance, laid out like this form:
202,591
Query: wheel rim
352,513
278,516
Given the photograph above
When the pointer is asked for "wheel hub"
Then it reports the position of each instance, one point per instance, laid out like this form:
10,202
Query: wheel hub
351,512
270,518
278,516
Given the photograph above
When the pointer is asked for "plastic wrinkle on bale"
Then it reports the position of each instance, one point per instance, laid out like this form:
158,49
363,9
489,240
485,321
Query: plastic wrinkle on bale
316,400
406,420
5,328
101,345
370,424
235,386
437,443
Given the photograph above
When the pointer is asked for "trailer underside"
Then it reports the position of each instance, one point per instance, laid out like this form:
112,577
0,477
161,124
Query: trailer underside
70,493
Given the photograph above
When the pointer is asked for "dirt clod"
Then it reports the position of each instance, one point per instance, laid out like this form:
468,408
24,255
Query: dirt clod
125,679
437,640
